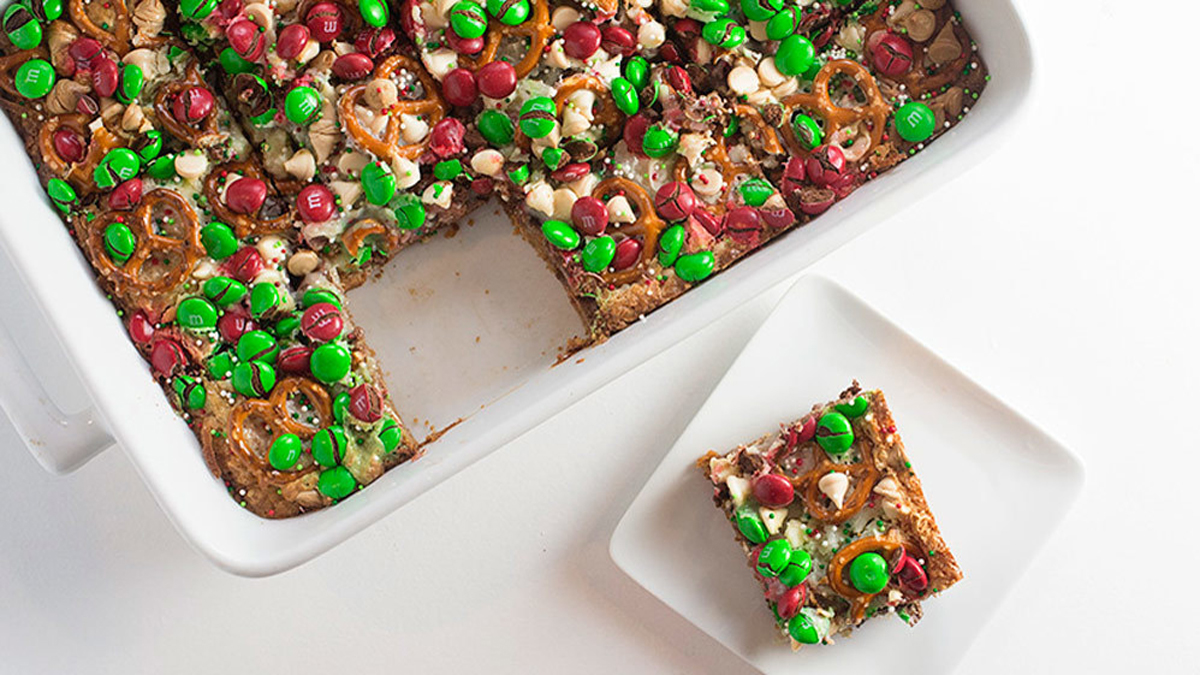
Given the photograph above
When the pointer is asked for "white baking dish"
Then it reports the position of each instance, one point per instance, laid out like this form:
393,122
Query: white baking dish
467,327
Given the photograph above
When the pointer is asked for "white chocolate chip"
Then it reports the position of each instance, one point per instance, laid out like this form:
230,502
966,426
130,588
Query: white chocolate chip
348,192
758,30
431,17
619,210
738,489
540,198
563,17
834,485
133,118
381,93
769,74
719,468
351,163
440,194
574,122
584,186
789,87
708,182
677,8
191,165
772,518
893,501
303,262
441,61
407,172
742,80
488,162
651,35
310,51
564,199
261,15
692,147
301,165
154,64
851,36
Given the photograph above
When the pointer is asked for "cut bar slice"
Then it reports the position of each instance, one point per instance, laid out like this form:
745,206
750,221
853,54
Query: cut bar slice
832,519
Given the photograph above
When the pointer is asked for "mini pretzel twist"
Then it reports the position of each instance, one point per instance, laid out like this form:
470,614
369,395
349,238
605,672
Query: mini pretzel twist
356,234
273,412
536,29
719,155
862,475
117,39
605,111
208,134
884,546
875,111
79,174
648,225
243,224
168,245
390,146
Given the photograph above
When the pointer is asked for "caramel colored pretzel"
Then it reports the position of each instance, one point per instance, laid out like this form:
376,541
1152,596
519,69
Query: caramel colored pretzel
356,234
836,573
117,39
8,69
390,147
167,233
648,225
536,29
862,474
243,224
605,112
274,414
836,117
208,133
916,81
79,174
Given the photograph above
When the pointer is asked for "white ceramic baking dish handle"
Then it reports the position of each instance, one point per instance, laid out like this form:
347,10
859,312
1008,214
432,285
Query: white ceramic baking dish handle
61,441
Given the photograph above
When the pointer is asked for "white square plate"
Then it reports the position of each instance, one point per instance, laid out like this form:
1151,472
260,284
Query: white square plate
997,484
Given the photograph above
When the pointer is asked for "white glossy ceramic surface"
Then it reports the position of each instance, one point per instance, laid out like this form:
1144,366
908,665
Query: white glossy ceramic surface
502,385
997,484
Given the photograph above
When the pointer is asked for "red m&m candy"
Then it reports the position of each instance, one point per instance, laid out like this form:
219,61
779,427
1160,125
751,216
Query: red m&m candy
322,322
246,195
192,105
590,216
291,41
773,490
365,403
581,39
315,203
496,79
324,21
458,87
675,201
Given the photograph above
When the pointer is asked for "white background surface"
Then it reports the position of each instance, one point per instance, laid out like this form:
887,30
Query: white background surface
1061,274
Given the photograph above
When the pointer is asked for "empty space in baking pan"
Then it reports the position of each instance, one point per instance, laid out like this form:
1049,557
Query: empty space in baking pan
458,321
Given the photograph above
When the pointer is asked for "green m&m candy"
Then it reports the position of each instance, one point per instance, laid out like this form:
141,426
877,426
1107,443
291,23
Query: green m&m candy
390,435
288,328
233,63
190,391
773,558
196,313
329,446
796,54
659,141
670,243
285,452
264,297
47,10
784,23
519,175
118,166
797,570
553,157
22,27
468,20
834,433
561,235
220,366
869,573
856,408
761,10
410,213
510,12
330,362
756,191
119,243
724,33
197,9
637,71
316,295
378,183
218,240
341,404
915,122
336,483
374,12
224,291
35,78
695,267
147,147
257,345
538,117
808,132
750,525
447,169
598,253
254,378
61,194
496,127
302,105
131,83
802,629
711,8
162,168
625,96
